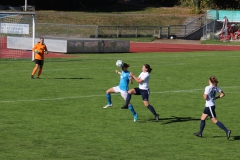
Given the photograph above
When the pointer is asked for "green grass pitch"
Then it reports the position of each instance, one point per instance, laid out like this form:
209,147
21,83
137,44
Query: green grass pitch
61,115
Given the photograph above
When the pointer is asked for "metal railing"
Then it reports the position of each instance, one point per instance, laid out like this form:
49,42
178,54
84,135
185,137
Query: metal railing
94,31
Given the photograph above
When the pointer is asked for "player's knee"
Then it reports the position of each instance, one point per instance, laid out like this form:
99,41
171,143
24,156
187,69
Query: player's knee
131,91
214,120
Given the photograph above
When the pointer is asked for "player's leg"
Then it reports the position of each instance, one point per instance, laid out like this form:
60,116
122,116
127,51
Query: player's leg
130,106
35,68
129,96
202,125
217,122
40,68
145,97
205,114
108,96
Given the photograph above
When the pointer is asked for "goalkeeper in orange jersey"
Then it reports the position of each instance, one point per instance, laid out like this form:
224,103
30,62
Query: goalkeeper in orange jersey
39,49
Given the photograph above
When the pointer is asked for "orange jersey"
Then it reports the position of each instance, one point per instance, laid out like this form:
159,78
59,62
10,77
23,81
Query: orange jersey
41,48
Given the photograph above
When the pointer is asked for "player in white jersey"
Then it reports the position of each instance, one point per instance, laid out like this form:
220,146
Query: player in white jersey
143,89
122,88
210,97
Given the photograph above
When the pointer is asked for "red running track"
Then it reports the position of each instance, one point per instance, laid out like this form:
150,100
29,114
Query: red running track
163,47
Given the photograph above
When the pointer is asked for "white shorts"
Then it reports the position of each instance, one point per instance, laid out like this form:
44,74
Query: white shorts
123,93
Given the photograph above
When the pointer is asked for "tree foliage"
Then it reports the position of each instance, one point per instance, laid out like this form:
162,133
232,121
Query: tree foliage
211,4
76,4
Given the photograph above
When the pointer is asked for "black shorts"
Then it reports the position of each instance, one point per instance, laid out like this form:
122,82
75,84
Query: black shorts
144,93
39,62
210,111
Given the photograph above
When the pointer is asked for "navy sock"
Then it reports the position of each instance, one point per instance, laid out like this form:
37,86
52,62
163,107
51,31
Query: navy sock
129,96
220,125
152,109
109,98
202,125
130,107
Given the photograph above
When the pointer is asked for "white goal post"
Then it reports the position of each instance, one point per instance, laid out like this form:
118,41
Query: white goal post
17,35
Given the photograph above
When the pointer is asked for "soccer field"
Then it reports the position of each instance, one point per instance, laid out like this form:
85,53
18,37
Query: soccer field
61,115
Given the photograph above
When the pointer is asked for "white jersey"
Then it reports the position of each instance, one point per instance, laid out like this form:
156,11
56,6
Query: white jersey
211,91
145,77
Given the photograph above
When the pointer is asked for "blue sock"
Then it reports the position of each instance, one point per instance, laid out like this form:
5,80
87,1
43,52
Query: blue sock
129,96
132,109
152,109
202,125
219,124
109,98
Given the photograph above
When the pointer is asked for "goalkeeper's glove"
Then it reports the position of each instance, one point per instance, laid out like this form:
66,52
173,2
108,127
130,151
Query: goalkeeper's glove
36,51
46,52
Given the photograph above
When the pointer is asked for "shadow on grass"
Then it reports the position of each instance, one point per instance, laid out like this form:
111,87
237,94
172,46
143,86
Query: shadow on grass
73,78
236,137
175,119
232,137
65,60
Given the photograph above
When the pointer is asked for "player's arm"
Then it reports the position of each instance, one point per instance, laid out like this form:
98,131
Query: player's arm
138,80
206,92
205,96
45,50
35,47
222,94
131,80
118,72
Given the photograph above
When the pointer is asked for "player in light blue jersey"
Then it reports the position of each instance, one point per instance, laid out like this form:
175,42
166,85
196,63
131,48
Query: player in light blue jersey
122,88
210,95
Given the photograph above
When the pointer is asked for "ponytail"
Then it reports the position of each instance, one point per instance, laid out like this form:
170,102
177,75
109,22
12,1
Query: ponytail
149,69
213,80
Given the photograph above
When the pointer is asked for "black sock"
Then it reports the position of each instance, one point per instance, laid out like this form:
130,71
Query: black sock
128,99
202,125
220,125
152,109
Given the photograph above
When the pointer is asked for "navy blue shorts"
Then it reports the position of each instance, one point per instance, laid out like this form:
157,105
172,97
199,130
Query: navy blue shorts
144,93
210,111
39,62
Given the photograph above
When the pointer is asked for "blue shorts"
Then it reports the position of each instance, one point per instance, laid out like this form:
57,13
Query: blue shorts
144,93
210,111
39,62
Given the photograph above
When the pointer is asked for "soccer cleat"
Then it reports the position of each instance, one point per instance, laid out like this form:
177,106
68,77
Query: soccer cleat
197,134
108,105
124,107
32,77
228,134
157,117
135,117
38,77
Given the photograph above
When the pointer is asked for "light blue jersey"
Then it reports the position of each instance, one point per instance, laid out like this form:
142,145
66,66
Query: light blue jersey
124,80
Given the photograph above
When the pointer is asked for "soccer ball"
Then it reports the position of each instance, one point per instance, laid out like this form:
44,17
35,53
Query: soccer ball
171,37
119,63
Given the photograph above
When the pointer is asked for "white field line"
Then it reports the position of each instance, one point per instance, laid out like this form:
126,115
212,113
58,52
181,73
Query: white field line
102,68
89,96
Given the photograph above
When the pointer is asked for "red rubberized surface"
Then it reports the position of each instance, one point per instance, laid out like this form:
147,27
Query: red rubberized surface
135,47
